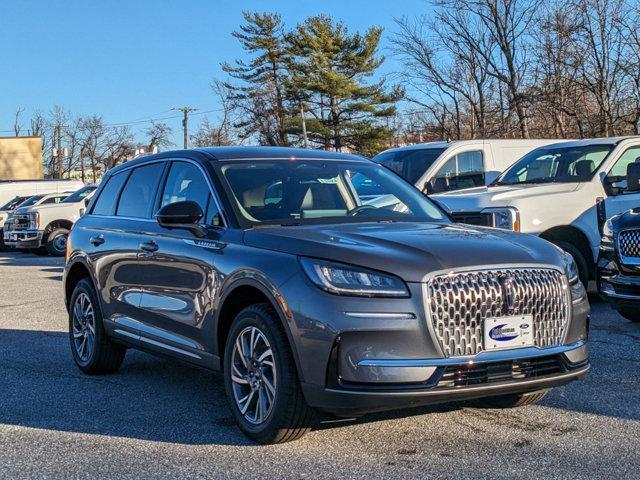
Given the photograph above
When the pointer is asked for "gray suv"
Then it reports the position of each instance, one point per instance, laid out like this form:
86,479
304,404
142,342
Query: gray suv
271,265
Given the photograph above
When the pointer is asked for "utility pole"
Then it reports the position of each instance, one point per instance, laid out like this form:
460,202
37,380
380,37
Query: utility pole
185,122
59,149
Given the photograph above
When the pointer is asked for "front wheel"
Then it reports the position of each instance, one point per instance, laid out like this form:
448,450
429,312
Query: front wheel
92,350
513,401
633,315
261,379
57,242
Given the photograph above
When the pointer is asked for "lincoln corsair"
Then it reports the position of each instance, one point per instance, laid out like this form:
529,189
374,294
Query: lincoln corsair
271,265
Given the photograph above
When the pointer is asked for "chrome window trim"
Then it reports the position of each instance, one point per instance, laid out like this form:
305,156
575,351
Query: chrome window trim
212,190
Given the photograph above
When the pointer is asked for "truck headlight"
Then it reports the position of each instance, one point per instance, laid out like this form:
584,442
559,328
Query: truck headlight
341,279
35,220
578,292
606,242
507,218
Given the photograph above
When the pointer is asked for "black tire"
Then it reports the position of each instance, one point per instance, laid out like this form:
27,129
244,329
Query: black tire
289,417
57,242
581,261
105,356
512,401
3,247
633,315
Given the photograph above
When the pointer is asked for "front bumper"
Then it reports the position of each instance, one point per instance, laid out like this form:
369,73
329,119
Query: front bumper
26,238
359,355
456,379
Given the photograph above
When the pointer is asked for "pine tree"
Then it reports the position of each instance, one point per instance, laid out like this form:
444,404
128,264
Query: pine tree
260,94
328,73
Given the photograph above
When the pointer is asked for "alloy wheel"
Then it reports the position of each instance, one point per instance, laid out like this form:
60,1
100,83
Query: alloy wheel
60,243
84,327
253,375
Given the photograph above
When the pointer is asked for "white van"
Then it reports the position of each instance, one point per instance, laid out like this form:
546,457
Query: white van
26,188
562,192
448,166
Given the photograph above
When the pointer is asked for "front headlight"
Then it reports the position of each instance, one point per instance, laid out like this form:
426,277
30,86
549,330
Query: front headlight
35,220
578,292
507,218
606,242
341,279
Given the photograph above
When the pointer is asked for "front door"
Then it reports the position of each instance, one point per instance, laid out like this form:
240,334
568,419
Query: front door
623,201
178,297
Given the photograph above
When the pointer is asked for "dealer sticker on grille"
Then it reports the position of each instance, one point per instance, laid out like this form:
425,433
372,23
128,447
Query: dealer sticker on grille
508,332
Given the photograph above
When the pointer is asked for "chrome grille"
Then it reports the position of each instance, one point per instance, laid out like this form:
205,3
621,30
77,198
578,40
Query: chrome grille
629,243
21,222
458,303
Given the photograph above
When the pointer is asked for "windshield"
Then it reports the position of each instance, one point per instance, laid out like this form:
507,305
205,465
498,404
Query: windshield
409,164
556,165
31,201
316,191
79,195
12,204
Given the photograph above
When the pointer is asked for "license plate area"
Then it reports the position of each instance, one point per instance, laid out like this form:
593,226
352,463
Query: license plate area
508,332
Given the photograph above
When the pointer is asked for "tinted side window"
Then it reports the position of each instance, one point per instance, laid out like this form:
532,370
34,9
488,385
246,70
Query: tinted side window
186,182
139,193
631,155
106,203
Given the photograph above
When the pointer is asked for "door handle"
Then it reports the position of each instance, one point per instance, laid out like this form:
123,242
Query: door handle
149,247
97,241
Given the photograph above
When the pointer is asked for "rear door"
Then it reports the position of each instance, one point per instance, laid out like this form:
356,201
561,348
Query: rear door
179,269
119,215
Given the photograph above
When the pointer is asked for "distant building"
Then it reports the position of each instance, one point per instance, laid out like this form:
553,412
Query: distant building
21,158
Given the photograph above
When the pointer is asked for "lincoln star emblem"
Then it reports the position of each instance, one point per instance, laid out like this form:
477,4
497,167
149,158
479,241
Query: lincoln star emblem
509,293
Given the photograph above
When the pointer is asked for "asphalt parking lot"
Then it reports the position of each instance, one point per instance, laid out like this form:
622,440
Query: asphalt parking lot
157,419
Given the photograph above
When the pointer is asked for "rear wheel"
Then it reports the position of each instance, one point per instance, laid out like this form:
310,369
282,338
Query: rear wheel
578,257
92,350
261,379
57,242
512,401
633,315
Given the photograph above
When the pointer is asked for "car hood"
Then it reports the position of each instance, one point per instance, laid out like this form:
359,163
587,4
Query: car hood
475,199
408,250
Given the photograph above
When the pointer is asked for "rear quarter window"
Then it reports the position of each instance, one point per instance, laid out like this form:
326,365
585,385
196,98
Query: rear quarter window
139,193
108,199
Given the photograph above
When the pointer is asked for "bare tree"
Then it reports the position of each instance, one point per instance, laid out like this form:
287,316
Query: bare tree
17,127
159,135
221,132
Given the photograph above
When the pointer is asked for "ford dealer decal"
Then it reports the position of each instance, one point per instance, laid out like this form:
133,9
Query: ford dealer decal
501,334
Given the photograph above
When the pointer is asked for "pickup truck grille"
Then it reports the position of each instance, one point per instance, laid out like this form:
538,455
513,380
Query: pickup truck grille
473,218
458,303
629,242
21,222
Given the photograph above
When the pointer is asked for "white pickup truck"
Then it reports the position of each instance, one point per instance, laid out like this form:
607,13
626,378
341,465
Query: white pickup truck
562,192
44,228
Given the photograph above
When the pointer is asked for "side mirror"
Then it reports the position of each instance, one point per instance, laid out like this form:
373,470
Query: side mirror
614,184
633,177
86,202
184,215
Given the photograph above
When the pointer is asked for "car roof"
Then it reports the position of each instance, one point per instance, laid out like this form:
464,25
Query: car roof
242,153
591,141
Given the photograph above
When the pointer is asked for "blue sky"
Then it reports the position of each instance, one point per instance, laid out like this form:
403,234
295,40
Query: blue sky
134,60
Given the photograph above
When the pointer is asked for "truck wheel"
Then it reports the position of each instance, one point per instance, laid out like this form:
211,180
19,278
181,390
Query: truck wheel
630,314
57,242
512,401
581,262
261,379
93,352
